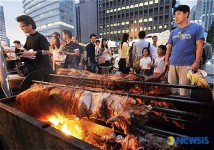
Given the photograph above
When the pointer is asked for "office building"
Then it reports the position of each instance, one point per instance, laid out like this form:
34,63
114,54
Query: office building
86,20
208,13
3,35
125,16
52,16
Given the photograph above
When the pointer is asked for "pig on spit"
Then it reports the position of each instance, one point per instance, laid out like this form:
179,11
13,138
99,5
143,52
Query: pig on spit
40,100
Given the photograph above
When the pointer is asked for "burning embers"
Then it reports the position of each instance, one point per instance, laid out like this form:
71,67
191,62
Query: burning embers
69,126
80,128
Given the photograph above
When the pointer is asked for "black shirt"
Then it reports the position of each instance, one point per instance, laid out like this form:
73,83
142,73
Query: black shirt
38,42
90,49
70,47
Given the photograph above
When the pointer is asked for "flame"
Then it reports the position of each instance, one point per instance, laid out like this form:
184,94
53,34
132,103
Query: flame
67,126
54,120
65,129
79,128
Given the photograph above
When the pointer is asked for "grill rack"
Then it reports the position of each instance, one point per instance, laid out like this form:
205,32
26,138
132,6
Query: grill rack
195,112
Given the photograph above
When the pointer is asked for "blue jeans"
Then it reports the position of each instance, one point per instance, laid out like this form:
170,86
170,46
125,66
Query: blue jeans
92,67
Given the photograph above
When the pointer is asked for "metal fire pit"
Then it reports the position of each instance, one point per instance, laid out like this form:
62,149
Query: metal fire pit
196,112
20,131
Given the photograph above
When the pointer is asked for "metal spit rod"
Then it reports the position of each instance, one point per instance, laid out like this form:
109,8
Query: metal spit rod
162,99
136,82
172,111
170,100
177,112
168,133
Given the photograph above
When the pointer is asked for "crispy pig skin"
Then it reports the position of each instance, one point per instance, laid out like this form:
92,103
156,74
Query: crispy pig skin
85,73
44,100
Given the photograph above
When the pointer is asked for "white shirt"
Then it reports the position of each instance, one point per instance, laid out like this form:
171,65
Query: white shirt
97,48
105,54
159,61
139,46
153,51
57,56
144,63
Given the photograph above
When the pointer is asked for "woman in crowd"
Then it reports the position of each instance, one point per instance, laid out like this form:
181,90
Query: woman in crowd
146,62
124,55
104,53
159,64
55,48
56,34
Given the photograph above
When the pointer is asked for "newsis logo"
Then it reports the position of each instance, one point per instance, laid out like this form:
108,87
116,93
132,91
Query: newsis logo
187,140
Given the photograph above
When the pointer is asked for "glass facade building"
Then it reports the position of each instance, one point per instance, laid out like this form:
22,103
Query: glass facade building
131,16
51,15
208,13
86,20
3,35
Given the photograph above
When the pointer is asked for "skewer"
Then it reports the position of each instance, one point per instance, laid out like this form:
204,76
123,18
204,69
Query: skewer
156,98
133,82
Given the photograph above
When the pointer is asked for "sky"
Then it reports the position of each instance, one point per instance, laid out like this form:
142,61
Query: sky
13,8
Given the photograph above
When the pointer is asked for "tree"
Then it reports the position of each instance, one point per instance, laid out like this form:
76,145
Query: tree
210,36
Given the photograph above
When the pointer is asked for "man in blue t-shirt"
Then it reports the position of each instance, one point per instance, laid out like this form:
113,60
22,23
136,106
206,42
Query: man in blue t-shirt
184,49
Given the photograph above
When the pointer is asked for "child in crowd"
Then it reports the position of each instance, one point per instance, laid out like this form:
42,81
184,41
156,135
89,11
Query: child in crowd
145,62
159,64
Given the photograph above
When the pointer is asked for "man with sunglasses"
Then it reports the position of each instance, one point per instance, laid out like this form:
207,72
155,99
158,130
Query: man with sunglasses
36,55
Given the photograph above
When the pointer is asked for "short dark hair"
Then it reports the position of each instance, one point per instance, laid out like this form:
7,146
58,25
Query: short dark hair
16,41
97,41
147,50
56,33
141,34
68,32
163,47
183,8
26,20
154,36
92,35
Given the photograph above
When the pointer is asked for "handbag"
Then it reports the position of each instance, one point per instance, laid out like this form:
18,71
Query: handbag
23,69
101,60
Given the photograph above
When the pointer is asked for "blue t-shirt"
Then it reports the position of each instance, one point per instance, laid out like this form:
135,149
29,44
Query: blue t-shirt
183,42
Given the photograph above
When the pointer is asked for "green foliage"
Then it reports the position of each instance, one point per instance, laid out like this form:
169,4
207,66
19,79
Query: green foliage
210,36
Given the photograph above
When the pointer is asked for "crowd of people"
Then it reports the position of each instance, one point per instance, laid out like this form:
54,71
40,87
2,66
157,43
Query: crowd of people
142,57
182,52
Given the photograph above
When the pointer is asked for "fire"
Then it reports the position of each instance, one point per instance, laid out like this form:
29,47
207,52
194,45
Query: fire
67,126
55,120
65,129
80,128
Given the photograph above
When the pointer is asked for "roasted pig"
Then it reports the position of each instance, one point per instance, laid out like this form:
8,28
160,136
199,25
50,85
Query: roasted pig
115,109
87,74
